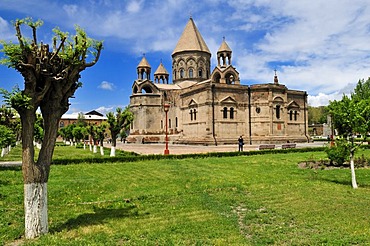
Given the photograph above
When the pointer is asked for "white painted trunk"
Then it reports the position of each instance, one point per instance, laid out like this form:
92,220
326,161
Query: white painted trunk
71,144
38,145
113,151
90,147
9,148
101,150
2,152
36,209
353,174
84,145
95,149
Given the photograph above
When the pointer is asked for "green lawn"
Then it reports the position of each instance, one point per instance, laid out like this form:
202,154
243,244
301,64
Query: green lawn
244,200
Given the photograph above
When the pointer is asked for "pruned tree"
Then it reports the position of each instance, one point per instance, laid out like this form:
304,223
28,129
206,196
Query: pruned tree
117,122
100,132
351,116
51,76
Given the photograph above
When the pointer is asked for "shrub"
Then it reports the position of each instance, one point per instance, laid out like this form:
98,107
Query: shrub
339,153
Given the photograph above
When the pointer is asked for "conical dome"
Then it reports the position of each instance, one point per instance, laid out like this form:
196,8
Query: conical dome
144,63
224,47
161,70
191,40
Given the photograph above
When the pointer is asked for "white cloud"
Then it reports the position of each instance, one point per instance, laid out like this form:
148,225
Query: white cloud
317,46
6,30
105,85
134,6
104,110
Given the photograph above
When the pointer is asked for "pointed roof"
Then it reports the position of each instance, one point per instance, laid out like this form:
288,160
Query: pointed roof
161,69
191,39
144,63
224,47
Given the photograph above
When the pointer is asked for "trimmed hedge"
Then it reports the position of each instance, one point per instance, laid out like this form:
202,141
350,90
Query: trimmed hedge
183,156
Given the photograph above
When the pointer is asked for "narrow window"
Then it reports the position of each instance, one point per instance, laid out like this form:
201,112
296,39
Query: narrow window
295,115
161,124
291,115
195,114
277,111
181,73
200,73
231,113
190,73
225,113
191,114
176,122
169,123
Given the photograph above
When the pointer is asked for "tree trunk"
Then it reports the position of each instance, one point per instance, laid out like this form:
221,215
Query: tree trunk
114,144
2,152
95,149
101,150
35,178
36,209
113,151
353,174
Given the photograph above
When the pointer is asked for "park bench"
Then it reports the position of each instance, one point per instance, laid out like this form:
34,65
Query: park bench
288,146
266,146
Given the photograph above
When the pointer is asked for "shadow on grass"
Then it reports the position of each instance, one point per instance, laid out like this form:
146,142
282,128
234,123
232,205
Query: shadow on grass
99,216
346,182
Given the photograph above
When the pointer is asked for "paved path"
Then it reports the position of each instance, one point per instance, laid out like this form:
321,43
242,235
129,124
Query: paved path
10,163
177,149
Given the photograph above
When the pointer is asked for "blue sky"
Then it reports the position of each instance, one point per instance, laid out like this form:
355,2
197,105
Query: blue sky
320,46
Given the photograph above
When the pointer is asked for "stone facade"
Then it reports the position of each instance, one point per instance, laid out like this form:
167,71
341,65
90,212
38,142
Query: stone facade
212,108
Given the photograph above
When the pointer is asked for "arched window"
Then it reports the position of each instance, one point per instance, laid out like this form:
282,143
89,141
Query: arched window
181,73
169,123
161,124
176,122
277,111
190,73
195,114
295,115
231,113
291,115
200,73
225,112
191,114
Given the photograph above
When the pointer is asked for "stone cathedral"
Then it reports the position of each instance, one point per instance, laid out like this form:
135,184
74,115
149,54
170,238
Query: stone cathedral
211,107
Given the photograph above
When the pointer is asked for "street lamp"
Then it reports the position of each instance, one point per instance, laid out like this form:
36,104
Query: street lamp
166,107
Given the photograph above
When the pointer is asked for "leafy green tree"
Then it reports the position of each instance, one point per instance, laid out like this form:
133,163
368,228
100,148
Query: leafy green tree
118,122
39,129
101,132
351,116
317,115
51,76
79,133
7,138
92,130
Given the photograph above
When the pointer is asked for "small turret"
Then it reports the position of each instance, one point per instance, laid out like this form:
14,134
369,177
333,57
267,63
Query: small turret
224,54
276,80
143,69
161,74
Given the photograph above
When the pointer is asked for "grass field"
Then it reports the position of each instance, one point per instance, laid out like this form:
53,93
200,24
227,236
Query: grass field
244,200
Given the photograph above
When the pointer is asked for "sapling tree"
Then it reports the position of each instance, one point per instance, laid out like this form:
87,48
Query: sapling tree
118,122
51,76
351,116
